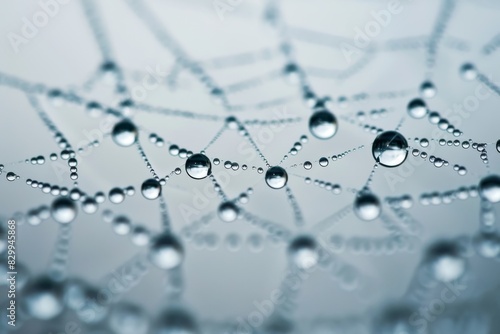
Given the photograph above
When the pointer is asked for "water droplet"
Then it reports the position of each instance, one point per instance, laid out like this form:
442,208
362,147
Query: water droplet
323,124
124,133
228,211
89,205
217,95
173,150
367,206
63,210
303,252
121,225
444,261
424,142
116,195
489,188
276,177
468,71
166,251
255,242
427,90
151,189
198,166
308,165
498,146
10,176
417,108
390,149
323,162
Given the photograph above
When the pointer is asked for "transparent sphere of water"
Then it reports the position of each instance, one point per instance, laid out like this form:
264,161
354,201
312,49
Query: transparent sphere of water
121,225
498,146
417,108
198,166
63,210
151,189
228,211
303,251
175,320
427,89
43,298
276,177
323,124
127,318
166,251
367,206
124,133
445,261
390,149
489,188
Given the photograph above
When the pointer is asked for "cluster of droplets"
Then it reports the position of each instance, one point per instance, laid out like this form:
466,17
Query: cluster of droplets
447,197
182,153
444,261
117,195
39,160
372,246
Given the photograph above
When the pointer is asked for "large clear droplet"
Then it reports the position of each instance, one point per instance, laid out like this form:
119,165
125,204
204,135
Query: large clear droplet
116,195
390,149
124,133
367,206
487,244
427,90
198,166
63,210
166,251
43,298
121,225
323,124
276,177
292,73
304,252
151,189
468,71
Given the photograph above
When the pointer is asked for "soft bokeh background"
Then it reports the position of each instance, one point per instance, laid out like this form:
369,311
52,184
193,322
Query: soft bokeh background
221,284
